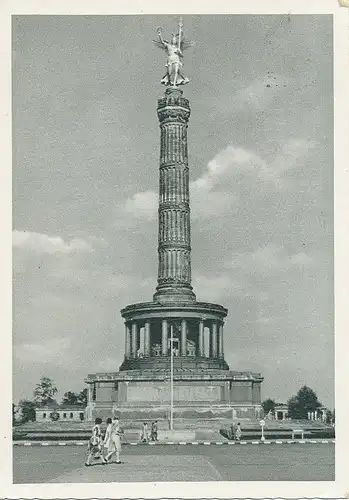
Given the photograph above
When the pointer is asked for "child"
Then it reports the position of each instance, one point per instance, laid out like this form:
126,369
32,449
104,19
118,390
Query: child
112,440
94,444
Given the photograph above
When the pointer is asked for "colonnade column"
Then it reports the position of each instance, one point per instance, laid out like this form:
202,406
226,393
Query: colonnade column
147,339
184,337
90,393
134,339
220,341
164,337
201,339
127,341
214,339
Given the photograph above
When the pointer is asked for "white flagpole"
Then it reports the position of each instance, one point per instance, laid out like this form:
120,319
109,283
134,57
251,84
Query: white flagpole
171,409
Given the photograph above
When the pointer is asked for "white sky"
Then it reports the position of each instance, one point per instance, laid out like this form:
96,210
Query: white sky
85,177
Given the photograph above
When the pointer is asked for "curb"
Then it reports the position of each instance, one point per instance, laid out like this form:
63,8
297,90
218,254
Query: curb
164,443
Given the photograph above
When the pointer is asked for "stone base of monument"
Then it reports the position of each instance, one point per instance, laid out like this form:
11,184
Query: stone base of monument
198,395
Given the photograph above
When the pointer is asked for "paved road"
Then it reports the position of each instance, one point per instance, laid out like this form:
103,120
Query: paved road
293,462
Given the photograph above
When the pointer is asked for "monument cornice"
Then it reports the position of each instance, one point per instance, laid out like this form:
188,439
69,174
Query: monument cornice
198,309
164,375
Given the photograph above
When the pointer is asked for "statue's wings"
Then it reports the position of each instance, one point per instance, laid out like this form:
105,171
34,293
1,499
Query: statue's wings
186,44
159,44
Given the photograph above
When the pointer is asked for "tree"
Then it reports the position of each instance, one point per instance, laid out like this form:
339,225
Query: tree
329,417
308,400
304,402
28,410
294,411
82,397
70,398
45,391
268,405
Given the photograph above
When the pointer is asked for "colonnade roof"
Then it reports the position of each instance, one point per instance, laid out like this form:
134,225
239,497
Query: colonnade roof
199,310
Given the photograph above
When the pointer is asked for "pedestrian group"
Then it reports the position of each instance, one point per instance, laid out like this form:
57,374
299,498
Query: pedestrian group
105,446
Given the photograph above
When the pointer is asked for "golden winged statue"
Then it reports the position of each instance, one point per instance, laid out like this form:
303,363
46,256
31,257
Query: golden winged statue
174,49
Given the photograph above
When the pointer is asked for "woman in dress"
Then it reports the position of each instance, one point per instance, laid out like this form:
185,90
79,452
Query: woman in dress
112,440
145,433
107,437
94,447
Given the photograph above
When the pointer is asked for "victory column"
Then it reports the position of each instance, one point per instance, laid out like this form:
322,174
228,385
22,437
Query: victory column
194,356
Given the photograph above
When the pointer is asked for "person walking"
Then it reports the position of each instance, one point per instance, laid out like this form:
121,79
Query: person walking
238,432
107,439
112,441
145,433
94,448
154,431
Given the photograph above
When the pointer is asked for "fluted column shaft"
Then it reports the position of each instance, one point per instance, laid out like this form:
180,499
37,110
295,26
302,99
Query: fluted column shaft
164,328
147,339
174,270
134,339
201,339
127,341
184,337
90,393
214,339
220,342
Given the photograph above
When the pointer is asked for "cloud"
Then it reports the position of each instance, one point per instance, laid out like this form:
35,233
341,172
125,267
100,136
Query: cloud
232,174
218,190
251,275
143,205
42,243
291,156
257,95
268,260
42,352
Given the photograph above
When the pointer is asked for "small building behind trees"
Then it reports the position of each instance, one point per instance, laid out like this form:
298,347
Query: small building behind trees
60,412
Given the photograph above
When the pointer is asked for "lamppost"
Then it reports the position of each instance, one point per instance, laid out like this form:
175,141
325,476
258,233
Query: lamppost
171,387
262,424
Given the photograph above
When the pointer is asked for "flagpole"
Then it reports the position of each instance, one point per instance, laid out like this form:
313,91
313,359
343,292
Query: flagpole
171,409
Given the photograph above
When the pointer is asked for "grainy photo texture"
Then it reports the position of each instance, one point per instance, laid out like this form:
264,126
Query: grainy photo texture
173,248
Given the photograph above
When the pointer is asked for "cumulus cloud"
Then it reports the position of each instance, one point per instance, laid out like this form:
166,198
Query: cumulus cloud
232,173
217,191
43,243
143,205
